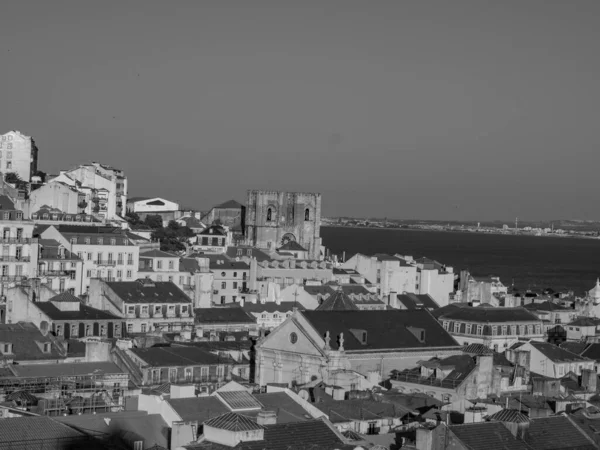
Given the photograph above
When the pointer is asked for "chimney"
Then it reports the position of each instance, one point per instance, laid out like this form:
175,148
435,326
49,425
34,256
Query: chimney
266,418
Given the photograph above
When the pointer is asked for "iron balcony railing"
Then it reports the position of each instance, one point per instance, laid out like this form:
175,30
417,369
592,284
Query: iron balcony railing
56,273
105,262
14,258
17,240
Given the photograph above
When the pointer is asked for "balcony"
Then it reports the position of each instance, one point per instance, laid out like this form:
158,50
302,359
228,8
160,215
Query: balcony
188,287
15,258
171,314
157,315
55,273
105,262
12,278
144,315
17,240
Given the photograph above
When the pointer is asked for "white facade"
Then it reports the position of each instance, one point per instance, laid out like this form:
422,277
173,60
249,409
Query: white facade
152,205
18,154
557,367
58,195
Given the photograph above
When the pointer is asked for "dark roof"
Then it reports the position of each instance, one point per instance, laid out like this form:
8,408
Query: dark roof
229,204
232,422
239,400
248,252
65,296
460,367
592,352
338,301
577,348
157,254
222,262
414,301
487,436
179,356
585,322
189,265
21,431
198,408
84,313
490,315
28,342
556,433
390,329
477,349
271,307
555,353
213,230
6,204
148,291
292,246
67,369
386,257
546,306
350,410
223,315
49,249
509,415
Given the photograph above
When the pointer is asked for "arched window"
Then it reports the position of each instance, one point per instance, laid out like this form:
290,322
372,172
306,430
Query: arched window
306,214
269,214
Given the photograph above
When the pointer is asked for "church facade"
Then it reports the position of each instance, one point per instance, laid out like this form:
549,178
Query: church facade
275,218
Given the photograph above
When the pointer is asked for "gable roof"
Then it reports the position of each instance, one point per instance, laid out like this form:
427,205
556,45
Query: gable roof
555,353
592,352
147,291
27,342
413,301
389,329
487,436
292,246
585,322
509,415
21,431
83,313
179,356
338,301
557,433
234,314
232,422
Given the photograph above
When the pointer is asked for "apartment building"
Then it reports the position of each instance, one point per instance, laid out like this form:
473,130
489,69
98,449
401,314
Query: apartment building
19,250
144,305
18,154
231,279
107,253
58,268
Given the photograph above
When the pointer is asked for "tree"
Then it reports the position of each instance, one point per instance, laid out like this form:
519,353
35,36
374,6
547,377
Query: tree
172,237
154,221
14,178
133,218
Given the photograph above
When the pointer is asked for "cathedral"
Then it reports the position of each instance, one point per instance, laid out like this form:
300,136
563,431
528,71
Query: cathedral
274,219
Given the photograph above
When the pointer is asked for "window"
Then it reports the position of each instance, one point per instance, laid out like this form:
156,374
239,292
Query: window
119,258
468,329
235,285
9,165
170,279
80,255
90,256
446,324
171,264
504,330
73,241
480,329
130,328
269,215
157,309
306,214
143,328
538,329
223,274
184,309
119,274
113,241
87,240
88,273
188,374
224,285
130,259
456,327
172,375
130,309
494,330
100,241
110,257
222,299
159,264
181,279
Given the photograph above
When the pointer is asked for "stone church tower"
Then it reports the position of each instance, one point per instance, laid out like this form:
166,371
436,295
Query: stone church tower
274,218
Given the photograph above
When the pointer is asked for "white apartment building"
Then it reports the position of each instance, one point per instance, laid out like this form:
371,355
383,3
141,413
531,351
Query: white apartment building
105,188
18,154
59,196
231,279
107,253
58,268
19,250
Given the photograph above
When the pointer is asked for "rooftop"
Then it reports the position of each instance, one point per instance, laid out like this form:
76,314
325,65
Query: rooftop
67,369
337,301
179,356
585,322
148,291
157,254
555,353
292,246
223,315
487,436
28,342
20,430
557,433
414,301
271,307
390,329
489,315
232,422
84,313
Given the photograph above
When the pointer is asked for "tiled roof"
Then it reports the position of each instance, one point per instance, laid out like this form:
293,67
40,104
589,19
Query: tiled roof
487,436
179,356
49,250
292,246
592,352
578,348
239,400
147,291
62,369
65,296
460,367
556,433
555,353
313,434
585,322
84,313
213,230
223,315
198,408
157,254
477,349
6,204
340,411
414,301
385,329
22,431
248,252
386,257
338,301
489,315
509,415
233,422
28,342
546,306
271,307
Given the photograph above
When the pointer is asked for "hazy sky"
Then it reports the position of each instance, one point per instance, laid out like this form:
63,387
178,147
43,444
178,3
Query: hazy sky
408,109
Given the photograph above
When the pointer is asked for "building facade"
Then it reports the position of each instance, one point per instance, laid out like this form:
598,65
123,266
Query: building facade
274,218
18,154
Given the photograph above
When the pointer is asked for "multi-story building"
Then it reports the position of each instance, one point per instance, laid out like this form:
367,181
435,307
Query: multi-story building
481,289
18,154
144,305
231,279
275,218
191,275
231,214
58,268
289,271
496,328
19,250
107,253
105,188
549,360
52,216
214,239
60,196
434,279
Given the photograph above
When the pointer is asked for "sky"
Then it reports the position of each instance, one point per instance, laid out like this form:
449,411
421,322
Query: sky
457,110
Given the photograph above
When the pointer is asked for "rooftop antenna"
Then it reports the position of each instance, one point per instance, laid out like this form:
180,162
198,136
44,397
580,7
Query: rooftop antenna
516,223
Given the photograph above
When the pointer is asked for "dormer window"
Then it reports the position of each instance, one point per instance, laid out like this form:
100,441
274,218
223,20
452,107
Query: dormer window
46,216
46,347
6,216
19,215
6,348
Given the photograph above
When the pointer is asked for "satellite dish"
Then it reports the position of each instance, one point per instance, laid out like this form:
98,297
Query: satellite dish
304,395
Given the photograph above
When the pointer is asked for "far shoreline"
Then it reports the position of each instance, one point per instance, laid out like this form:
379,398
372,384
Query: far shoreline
498,233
